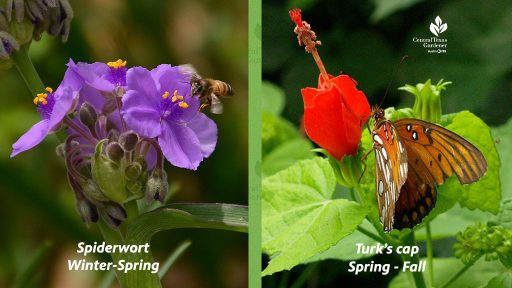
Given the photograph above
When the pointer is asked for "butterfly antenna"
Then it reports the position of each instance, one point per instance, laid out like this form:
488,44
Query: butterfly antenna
393,78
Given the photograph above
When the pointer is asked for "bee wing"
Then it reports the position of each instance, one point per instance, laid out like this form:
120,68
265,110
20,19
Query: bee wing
188,69
216,105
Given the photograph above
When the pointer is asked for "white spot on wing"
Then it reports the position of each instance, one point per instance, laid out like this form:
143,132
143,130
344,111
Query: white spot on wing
381,187
384,154
377,139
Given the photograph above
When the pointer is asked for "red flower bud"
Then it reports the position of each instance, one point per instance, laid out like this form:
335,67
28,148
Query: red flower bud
334,114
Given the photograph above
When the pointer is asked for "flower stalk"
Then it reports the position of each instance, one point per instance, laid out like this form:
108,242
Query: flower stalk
27,70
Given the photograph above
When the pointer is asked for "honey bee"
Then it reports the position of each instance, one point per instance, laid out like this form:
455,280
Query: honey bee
208,90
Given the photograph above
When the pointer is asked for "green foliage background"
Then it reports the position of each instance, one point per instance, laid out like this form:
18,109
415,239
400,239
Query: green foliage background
367,39
37,204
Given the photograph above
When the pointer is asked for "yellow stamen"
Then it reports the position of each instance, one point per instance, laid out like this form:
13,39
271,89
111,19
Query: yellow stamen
165,95
175,96
49,89
183,104
117,64
180,97
41,98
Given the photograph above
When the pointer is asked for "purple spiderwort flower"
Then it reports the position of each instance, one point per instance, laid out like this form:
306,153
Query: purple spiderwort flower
53,108
158,104
105,77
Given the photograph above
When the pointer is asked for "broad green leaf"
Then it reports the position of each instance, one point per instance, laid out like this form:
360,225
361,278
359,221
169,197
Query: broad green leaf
285,155
275,131
384,8
504,280
346,248
444,268
142,228
272,99
485,194
300,219
503,136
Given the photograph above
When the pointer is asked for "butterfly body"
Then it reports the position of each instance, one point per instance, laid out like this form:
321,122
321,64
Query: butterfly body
412,157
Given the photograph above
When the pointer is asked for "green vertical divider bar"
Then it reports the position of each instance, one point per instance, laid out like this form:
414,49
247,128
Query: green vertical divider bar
254,143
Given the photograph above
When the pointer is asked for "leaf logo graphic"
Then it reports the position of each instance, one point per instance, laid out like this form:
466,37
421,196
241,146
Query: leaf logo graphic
438,27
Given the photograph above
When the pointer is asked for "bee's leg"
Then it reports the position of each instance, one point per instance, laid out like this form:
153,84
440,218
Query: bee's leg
203,106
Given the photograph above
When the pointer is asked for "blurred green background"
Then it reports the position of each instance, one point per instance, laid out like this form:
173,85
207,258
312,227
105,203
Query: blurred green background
38,206
366,40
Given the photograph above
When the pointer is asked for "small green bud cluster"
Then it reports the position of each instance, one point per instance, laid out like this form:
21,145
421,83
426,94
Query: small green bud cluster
492,241
115,171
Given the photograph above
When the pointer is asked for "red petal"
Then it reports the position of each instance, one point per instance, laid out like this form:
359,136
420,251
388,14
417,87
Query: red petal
328,123
333,116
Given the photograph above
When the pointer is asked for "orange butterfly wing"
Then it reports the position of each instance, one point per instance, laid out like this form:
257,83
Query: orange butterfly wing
391,170
434,153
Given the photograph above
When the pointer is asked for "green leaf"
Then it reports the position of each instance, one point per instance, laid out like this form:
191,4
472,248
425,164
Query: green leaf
275,131
444,268
346,248
504,280
485,194
272,99
300,219
384,8
141,229
503,136
285,155
505,216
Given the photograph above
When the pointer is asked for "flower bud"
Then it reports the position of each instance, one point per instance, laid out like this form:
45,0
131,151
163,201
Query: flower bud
87,211
113,214
348,170
108,175
114,152
128,140
113,135
109,106
88,115
135,187
60,150
119,91
92,191
133,171
427,105
157,186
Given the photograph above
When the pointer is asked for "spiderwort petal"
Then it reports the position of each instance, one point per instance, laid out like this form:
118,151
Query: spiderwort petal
180,145
31,138
53,108
140,115
158,104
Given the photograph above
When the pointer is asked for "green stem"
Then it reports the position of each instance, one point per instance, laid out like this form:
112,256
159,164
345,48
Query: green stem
461,271
132,210
417,276
430,257
27,70
371,235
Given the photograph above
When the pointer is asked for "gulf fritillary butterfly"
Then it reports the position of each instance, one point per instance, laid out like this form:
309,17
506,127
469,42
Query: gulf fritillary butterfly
412,157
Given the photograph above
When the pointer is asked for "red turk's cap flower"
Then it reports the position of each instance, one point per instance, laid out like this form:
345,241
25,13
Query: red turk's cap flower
334,114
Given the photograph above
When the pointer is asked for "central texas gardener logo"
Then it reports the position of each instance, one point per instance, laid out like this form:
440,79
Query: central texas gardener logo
434,44
438,27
